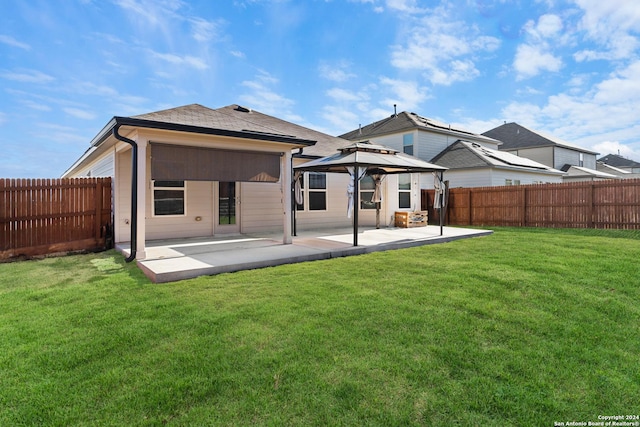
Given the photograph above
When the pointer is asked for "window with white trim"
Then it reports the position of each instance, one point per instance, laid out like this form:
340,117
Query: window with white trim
404,190
407,144
314,192
169,198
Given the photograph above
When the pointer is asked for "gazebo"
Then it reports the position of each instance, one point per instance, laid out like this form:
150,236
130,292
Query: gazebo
363,158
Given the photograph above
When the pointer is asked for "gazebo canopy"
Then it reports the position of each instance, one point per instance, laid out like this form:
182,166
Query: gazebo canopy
373,157
363,158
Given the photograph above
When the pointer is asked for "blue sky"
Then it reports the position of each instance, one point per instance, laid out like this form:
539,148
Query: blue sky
568,68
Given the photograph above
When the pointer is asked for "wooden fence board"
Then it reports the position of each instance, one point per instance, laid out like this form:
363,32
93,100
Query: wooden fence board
599,204
40,216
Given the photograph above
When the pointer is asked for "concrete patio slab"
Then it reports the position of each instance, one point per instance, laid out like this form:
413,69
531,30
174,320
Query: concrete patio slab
171,260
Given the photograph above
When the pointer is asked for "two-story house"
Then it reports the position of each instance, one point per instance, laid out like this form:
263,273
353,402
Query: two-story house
579,164
473,160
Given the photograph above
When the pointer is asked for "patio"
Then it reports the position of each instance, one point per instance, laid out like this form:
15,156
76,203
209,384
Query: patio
179,259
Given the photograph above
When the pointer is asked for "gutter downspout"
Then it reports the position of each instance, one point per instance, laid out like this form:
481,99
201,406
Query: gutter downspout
134,190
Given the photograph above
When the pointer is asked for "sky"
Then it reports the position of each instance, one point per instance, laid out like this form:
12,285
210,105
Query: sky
569,68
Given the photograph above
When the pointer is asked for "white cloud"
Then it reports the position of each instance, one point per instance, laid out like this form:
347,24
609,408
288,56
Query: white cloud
79,114
338,72
8,40
27,76
187,60
610,24
606,111
615,147
548,26
237,53
444,48
264,98
406,6
536,54
408,95
205,31
531,60
343,95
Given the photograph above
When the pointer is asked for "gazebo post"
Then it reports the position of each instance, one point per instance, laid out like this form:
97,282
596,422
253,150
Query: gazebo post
356,203
441,195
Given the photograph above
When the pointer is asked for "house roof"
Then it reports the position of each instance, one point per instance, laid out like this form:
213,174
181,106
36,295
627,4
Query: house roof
232,120
466,155
406,121
242,119
618,161
603,167
515,136
579,171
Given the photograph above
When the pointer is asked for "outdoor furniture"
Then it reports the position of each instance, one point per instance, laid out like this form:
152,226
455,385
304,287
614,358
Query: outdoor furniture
411,219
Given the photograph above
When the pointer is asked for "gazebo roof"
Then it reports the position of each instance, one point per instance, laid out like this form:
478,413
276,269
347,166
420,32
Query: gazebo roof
362,154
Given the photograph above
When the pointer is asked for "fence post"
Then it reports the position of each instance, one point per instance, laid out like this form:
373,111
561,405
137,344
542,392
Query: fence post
470,209
523,220
98,205
591,206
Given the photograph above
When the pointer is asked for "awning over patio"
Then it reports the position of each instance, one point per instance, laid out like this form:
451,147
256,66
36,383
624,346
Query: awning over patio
362,158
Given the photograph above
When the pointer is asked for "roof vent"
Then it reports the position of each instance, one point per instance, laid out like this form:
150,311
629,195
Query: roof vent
243,109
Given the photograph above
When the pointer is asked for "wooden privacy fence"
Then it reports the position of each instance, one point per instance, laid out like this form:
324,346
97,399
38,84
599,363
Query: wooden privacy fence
41,216
599,204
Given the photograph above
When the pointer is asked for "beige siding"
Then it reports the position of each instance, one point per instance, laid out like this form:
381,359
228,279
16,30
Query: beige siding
260,207
122,195
102,167
199,200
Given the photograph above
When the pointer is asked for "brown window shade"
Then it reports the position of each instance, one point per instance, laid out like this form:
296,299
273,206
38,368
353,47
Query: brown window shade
177,162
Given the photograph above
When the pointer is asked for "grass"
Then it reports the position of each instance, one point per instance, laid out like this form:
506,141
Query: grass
525,327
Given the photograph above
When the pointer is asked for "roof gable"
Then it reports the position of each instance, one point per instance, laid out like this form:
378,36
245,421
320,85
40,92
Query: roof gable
514,136
404,122
618,161
242,119
466,154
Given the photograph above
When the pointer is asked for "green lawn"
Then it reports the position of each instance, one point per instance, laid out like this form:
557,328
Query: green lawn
522,328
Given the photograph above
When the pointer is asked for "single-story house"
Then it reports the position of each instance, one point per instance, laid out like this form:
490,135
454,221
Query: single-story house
194,171
577,173
473,165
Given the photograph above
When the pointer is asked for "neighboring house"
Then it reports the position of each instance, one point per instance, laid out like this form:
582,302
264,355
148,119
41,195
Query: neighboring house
545,149
459,150
473,165
620,162
577,173
206,172
418,136
620,173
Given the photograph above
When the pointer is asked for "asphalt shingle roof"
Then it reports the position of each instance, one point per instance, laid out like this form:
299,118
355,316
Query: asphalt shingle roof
466,154
406,121
514,136
242,119
618,161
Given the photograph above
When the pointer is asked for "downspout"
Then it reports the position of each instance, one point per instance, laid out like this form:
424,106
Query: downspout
134,190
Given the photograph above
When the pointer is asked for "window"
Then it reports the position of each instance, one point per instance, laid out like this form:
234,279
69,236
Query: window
168,198
404,190
581,159
367,186
407,144
316,195
317,191
508,182
226,203
516,182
